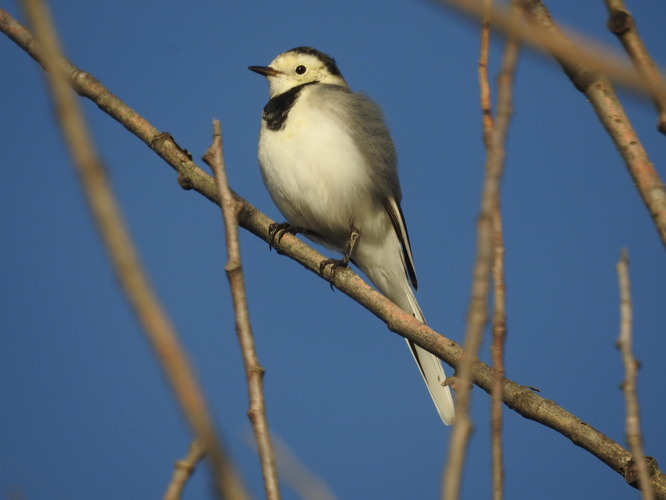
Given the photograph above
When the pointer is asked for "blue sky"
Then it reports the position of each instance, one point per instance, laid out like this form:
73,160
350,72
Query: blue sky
85,409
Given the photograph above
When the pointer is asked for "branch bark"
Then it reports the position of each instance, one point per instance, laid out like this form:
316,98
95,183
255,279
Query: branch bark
255,373
629,385
622,24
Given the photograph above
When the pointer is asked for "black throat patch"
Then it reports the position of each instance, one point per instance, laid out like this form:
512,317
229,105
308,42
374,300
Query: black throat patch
276,110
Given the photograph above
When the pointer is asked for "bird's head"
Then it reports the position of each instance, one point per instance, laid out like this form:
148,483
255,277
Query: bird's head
298,66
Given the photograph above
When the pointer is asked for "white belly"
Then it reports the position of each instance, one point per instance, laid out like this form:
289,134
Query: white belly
317,177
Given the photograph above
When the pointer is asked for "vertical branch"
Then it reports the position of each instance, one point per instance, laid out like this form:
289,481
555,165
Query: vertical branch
490,259
498,322
254,372
111,226
484,82
622,24
497,151
632,425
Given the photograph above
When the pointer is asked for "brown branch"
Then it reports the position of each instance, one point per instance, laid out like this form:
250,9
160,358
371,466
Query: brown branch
214,157
487,121
585,51
519,398
487,224
632,426
622,24
590,71
606,104
183,470
122,253
498,327
463,427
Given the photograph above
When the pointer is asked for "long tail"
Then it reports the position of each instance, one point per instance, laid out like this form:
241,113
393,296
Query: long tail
385,267
431,368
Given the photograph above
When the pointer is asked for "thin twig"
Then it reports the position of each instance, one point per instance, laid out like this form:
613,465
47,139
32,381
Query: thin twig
487,121
121,251
585,51
498,328
490,252
477,315
214,157
519,398
183,470
622,23
633,422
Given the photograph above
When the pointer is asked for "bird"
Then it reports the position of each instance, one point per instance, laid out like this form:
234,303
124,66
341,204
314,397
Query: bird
330,166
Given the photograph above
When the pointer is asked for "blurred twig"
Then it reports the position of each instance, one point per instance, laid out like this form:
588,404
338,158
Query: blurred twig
622,24
488,259
519,398
214,157
298,477
183,470
121,251
584,52
633,426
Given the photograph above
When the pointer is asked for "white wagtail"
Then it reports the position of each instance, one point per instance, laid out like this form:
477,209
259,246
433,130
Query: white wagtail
329,164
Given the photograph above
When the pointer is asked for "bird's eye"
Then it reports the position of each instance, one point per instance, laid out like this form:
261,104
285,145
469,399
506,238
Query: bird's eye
301,69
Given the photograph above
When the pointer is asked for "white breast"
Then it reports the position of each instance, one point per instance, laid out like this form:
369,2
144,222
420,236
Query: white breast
315,173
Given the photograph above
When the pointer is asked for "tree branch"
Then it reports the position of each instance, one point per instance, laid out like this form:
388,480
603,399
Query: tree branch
253,370
585,51
622,24
599,91
590,71
633,424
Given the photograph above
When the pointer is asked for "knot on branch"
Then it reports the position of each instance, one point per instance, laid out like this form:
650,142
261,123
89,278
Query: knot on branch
620,22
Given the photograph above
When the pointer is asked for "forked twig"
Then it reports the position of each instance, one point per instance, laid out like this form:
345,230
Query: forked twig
214,157
183,470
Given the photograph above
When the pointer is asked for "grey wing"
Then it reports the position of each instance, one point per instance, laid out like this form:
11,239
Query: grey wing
365,124
367,127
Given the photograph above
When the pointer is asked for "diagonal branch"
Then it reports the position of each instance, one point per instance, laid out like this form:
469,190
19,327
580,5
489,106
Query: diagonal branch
622,23
590,71
157,326
515,396
599,91
585,51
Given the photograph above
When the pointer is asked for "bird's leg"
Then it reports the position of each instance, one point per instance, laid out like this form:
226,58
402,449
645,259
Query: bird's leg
336,263
277,230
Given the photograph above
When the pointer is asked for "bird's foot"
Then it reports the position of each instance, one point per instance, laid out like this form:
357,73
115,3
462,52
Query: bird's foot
344,261
335,265
277,230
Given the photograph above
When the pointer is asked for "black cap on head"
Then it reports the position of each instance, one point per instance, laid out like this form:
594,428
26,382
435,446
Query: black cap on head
328,61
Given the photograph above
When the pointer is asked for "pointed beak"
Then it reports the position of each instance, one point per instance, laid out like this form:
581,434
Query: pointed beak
264,70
